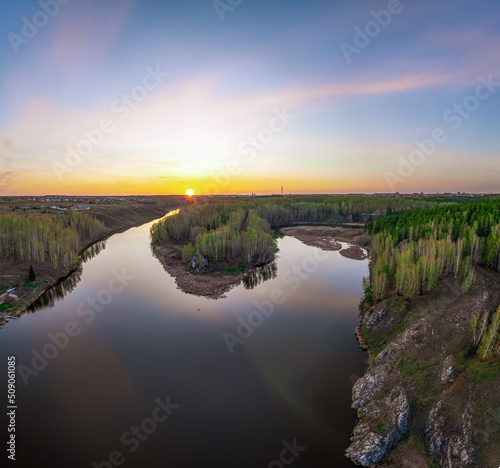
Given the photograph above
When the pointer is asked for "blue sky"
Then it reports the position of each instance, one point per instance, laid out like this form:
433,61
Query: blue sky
229,72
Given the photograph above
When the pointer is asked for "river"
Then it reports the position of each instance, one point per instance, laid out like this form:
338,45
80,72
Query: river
118,367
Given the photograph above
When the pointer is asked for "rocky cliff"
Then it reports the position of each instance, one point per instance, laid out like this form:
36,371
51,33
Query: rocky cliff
427,400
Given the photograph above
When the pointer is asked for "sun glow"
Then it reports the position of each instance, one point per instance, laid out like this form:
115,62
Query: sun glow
190,192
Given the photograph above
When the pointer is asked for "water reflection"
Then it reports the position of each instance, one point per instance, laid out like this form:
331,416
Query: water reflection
289,380
58,291
260,274
93,251
68,284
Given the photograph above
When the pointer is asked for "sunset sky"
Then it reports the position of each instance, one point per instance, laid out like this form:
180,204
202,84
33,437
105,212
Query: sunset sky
155,97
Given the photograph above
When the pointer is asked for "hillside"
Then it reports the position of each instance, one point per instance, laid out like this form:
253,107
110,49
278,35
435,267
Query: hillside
431,324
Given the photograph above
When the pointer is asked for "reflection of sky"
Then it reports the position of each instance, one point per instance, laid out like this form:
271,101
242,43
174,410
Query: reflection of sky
316,320
151,341
226,77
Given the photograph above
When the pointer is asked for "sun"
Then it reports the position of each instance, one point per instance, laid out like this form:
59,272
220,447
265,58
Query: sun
190,192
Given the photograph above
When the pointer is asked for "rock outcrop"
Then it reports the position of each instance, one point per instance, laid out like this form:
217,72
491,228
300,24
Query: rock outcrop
373,316
422,356
198,262
455,450
447,374
371,439
379,396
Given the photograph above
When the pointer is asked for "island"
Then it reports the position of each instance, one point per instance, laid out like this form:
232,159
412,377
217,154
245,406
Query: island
214,242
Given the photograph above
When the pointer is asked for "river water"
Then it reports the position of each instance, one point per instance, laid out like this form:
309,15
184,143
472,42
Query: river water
118,367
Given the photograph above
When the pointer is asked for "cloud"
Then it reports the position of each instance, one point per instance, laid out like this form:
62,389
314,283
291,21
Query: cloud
186,127
87,33
7,178
6,146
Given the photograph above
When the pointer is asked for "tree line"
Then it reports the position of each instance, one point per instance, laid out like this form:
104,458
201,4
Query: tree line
229,228
413,249
55,238
220,230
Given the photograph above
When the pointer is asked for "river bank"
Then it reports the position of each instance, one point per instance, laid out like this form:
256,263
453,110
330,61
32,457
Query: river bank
211,283
215,281
331,238
116,218
295,370
426,399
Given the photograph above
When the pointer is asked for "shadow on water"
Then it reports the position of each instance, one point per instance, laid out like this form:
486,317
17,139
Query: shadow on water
67,284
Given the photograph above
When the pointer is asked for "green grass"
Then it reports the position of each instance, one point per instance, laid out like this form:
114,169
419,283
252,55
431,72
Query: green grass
378,344
234,268
381,428
483,370
5,306
411,367
27,283
397,304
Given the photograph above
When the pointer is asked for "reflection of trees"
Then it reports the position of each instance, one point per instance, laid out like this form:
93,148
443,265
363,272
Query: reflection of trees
66,285
58,291
278,234
260,274
93,251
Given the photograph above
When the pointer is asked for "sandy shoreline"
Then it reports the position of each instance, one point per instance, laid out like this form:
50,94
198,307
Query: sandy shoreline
329,238
215,284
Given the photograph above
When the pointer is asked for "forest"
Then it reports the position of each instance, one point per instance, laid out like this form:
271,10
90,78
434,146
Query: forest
413,249
220,231
54,238
227,228
414,242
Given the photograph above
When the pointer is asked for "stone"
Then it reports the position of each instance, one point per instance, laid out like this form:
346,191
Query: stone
375,318
447,375
455,450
